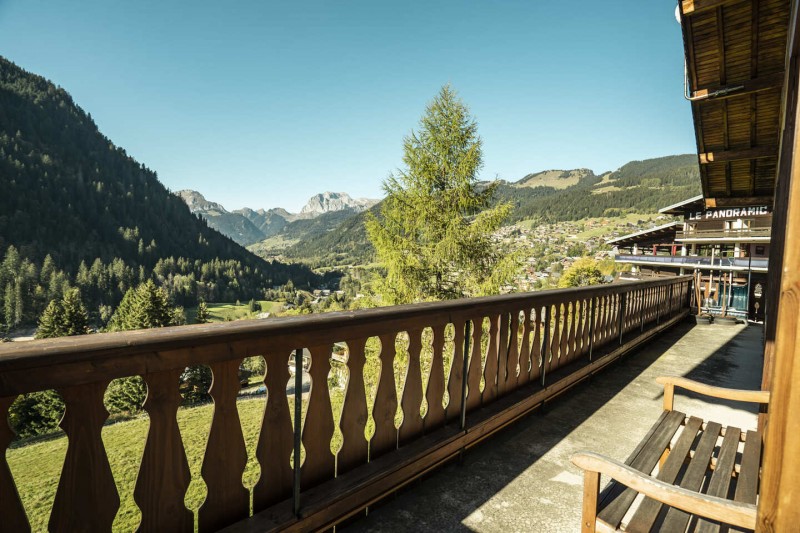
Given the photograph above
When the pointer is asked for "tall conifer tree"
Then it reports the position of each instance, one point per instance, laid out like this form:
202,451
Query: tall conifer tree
434,230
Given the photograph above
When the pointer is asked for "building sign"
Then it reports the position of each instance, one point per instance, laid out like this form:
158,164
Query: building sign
734,212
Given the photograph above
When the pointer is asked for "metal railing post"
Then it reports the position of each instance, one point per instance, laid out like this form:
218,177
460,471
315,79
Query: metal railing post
467,333
298,424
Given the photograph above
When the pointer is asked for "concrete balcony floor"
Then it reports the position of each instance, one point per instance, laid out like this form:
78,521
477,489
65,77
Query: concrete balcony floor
522,479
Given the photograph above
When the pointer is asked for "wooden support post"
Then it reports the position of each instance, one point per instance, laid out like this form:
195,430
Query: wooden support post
669,396
591,490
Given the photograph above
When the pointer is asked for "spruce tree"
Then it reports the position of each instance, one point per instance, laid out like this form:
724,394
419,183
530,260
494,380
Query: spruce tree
64,317
434,231
202,312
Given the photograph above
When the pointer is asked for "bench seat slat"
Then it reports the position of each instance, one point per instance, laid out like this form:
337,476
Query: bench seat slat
747,482
677,520
620,497
647,513
723,475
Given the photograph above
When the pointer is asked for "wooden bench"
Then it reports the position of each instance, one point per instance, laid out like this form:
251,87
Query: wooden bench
692,473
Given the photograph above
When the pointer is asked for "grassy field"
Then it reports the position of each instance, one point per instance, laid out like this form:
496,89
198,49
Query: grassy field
37,467
613,222
223,312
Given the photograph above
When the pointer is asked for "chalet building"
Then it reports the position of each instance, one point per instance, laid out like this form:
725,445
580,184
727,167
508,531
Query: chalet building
726,250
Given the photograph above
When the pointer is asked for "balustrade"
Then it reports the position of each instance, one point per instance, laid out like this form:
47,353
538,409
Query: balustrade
469,367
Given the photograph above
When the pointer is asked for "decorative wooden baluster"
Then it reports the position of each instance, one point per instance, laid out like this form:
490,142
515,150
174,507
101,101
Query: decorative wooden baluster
587,316
86,498
355,448
555,338
228,500
164,473
601,327
490,370
385,409
320,463
536,347
275,442
513,352
454,383
572,325
11,509
502,353
412,391
580,333
434,418
525,348
589,324
475,371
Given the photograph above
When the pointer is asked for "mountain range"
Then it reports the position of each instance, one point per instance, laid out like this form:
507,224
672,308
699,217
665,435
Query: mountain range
248,226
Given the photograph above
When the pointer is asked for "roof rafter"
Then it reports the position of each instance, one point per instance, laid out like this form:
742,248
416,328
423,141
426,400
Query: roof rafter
759,152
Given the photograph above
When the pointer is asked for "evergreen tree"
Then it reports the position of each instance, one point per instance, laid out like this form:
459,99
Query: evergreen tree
76,319
146,306
51,323
434,231
202,312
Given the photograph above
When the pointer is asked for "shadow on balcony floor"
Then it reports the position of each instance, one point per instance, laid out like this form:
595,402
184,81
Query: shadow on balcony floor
522,479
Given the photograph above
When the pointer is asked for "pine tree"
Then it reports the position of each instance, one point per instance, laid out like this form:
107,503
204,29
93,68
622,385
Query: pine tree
64,317
146,306
434,230
202,312
51,322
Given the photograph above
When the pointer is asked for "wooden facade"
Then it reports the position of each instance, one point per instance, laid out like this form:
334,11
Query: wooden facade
743,78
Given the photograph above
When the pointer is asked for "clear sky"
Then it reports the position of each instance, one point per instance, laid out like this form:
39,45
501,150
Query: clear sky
264,103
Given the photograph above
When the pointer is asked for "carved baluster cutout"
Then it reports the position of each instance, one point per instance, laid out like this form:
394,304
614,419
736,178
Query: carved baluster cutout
11,509
513,351
600,326
502,353
568,346
525,345
355,448
318,428
434,418
475,370
412,390
385,408
86,498
536,345
275,440
581,327
164,473
228,500
587,325
490,372
456,372
555,338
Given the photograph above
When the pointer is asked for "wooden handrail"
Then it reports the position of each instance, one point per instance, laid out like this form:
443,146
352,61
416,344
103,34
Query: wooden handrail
712,507
567,334
739,395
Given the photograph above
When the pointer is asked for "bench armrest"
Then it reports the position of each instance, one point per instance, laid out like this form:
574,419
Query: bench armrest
727,511
670,382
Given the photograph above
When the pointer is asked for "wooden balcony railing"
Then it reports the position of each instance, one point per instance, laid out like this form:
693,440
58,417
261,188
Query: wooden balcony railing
481,378
743,233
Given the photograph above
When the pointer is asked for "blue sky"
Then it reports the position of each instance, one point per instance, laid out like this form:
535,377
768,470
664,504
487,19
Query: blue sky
263,104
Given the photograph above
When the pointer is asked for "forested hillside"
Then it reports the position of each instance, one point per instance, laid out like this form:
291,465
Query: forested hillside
69,193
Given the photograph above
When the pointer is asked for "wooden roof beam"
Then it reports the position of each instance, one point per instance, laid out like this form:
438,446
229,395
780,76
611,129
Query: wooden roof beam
758,152
693,7
756,85
738,201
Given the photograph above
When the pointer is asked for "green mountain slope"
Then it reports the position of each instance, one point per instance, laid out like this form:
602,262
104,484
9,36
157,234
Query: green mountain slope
69,192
